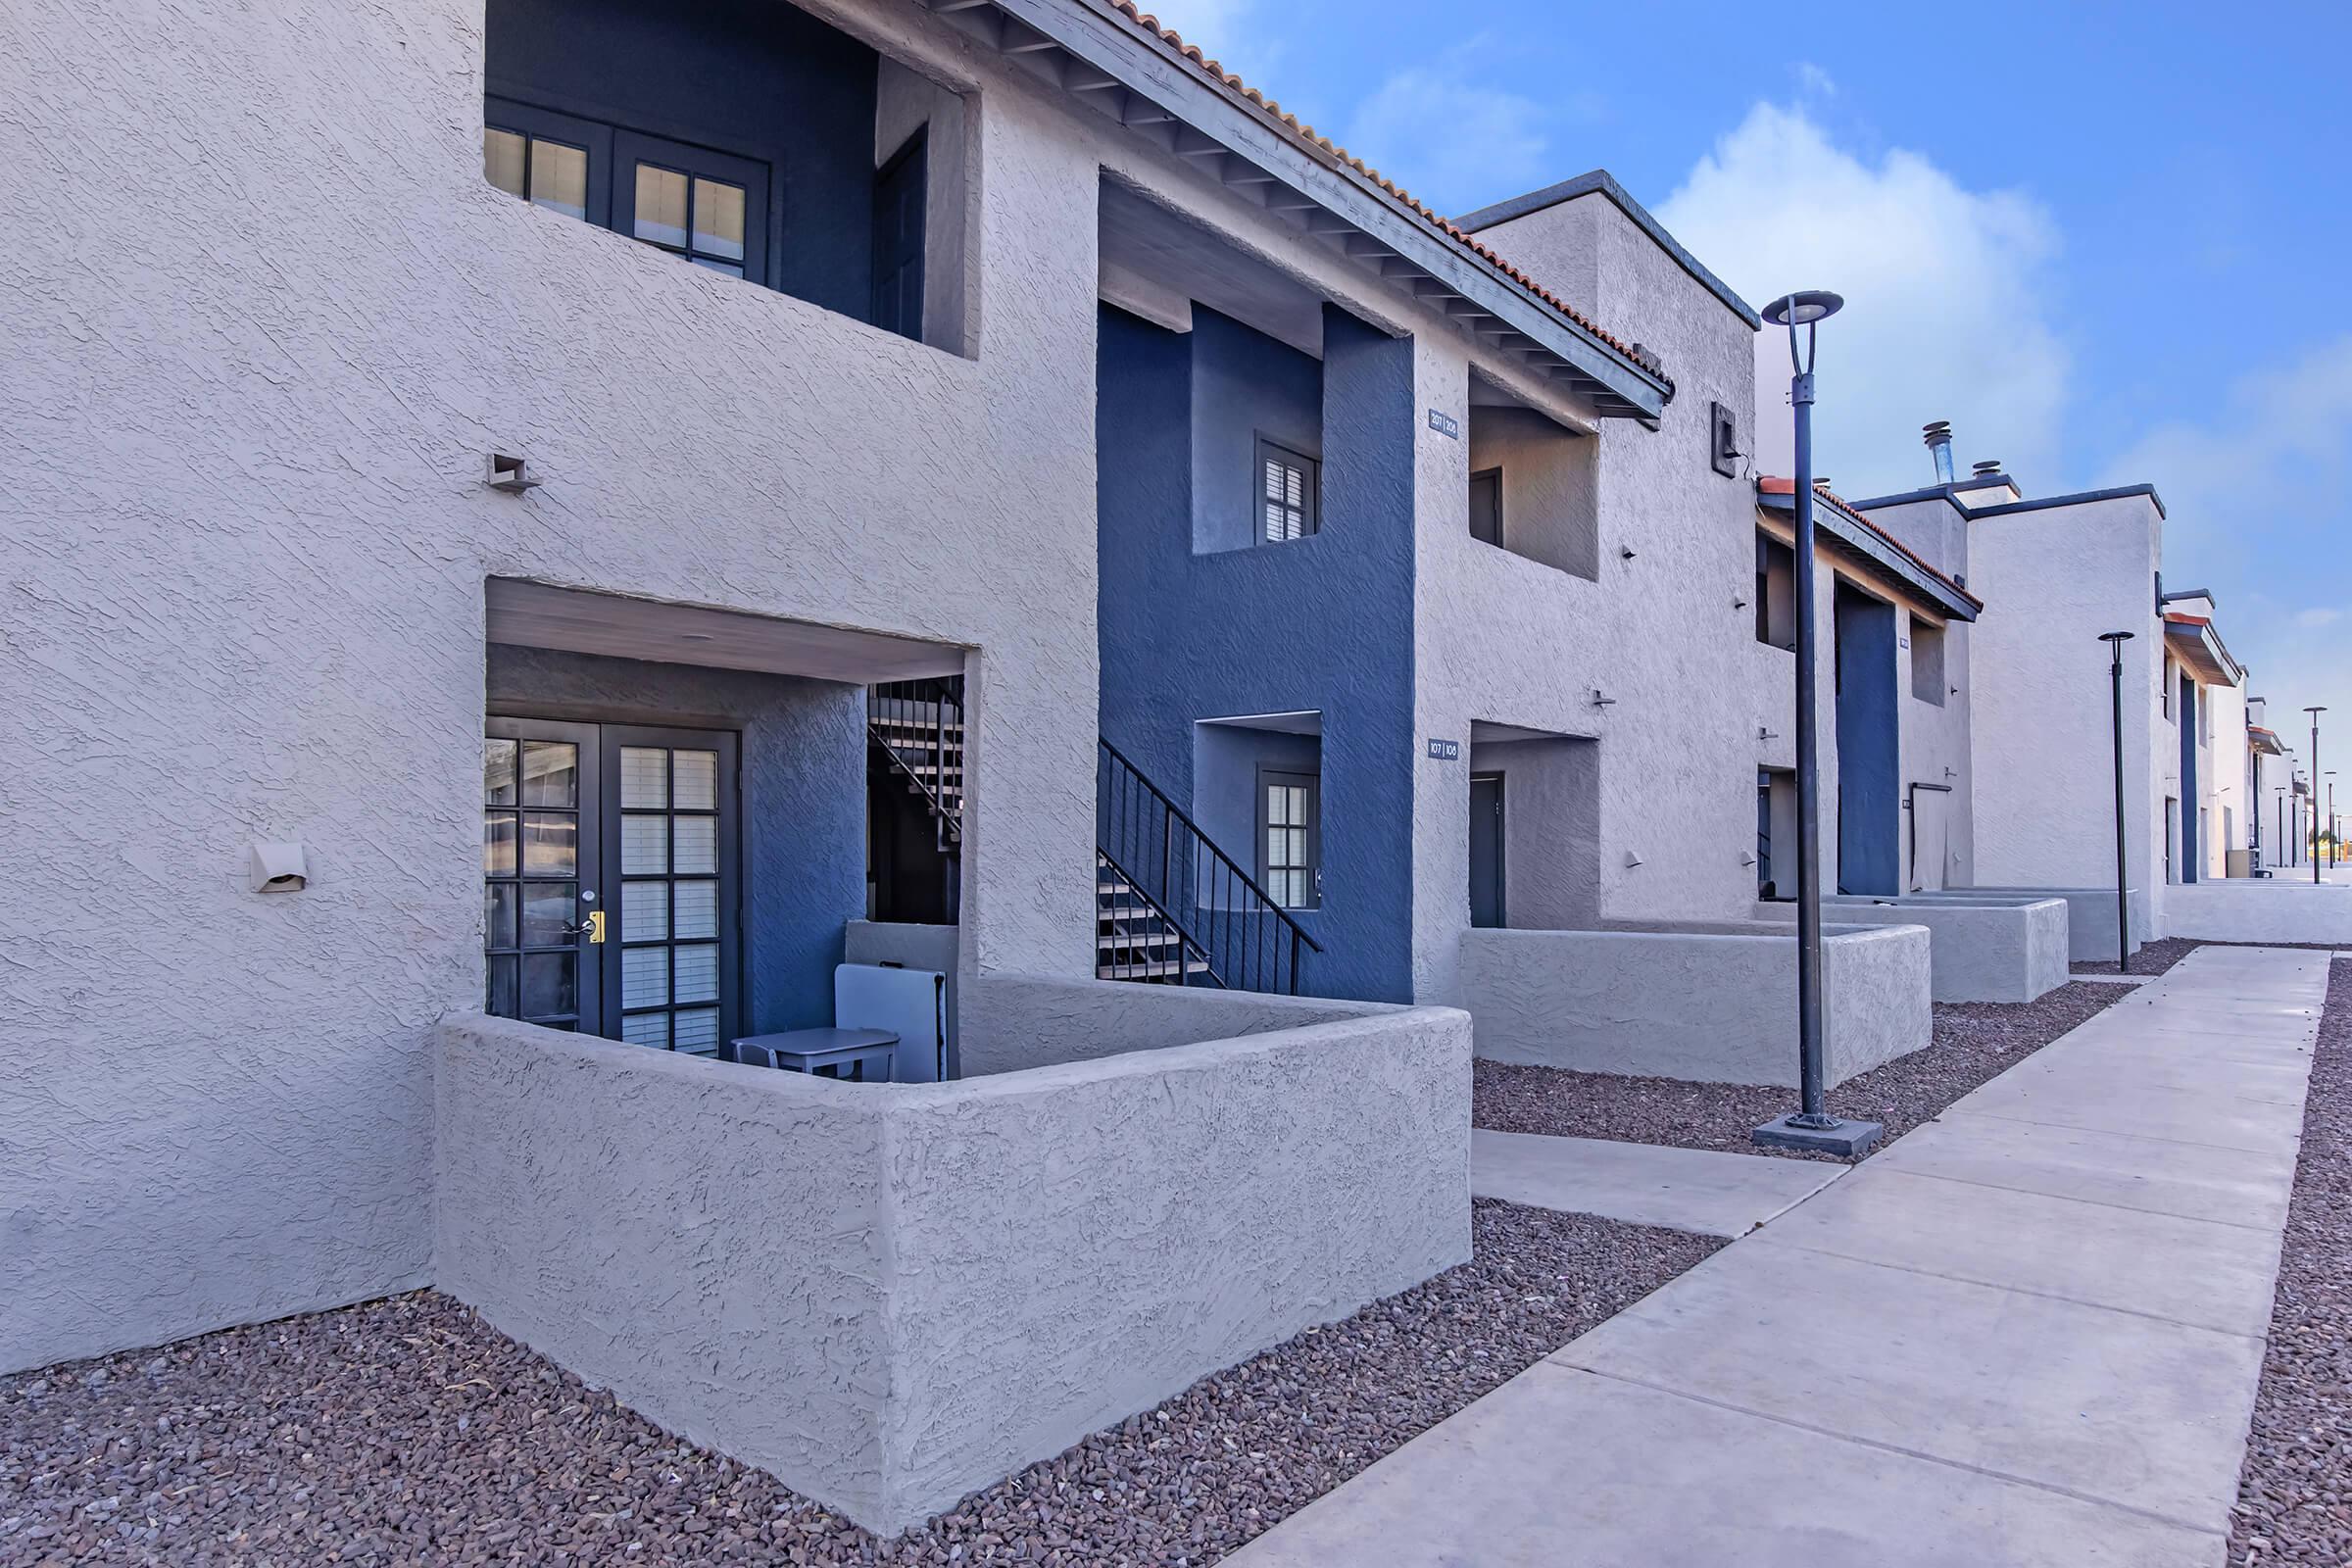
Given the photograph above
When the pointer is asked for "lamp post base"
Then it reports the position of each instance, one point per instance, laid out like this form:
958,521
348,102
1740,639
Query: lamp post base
1846,1138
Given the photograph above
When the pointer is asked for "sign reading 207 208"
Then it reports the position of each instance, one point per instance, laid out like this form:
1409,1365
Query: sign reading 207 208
1445,751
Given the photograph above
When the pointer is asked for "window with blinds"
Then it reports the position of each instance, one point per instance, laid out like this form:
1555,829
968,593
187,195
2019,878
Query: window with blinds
1285,485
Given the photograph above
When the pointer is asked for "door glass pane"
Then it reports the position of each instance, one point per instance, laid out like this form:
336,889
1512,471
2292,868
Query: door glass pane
646,1029
697,973
645,977
696,910
644,779
503,155
696,845
559,177
660,207
498,843
547,909
497,771
698,781
547,984
697,1031
644,846
550,773
550,844
504,1000
498,915
644,911
718,219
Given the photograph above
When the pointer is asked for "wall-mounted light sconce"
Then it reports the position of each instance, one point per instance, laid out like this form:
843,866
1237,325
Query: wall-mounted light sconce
1955,691
1599,701
1631,859
1747,857
1627,551
510,473
1764,734
1739,602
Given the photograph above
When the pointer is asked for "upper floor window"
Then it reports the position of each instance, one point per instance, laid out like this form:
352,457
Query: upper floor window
758,142
1286,492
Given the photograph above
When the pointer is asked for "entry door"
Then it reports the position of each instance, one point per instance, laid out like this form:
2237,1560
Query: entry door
640,827
671,830
540,850
1486,849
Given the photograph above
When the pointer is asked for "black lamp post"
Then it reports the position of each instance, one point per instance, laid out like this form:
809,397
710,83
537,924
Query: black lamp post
2331,833
2115,641
2315,713
1810,1125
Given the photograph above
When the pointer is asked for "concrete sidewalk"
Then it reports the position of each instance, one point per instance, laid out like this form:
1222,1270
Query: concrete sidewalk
1700,1190
2027,1334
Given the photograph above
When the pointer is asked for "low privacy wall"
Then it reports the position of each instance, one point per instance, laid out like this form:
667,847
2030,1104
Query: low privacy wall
1013,1022
1714,1004
1996,950
2089,915
891,1295
2276,908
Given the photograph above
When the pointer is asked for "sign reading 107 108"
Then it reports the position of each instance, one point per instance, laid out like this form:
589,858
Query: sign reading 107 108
1445,751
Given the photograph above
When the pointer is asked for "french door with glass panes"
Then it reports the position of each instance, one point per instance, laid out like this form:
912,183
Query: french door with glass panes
610,886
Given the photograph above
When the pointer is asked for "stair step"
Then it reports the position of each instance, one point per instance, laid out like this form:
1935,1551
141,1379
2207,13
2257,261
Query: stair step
1150,969
1113,941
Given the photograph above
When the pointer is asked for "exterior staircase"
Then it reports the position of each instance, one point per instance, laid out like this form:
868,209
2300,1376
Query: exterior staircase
1170,907
917,728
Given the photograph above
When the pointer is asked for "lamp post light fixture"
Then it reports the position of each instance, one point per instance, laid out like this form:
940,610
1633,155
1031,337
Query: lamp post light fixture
1810,1125
2315,713
2115,641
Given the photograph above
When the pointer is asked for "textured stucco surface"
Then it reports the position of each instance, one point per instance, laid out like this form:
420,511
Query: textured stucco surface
1715,1006
2271,910
242,508
2089,913
890,1294
1013,1022
1508,640
1991,952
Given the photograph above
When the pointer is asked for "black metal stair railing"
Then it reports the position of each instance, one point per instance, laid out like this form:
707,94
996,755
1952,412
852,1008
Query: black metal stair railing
919,726
1240,937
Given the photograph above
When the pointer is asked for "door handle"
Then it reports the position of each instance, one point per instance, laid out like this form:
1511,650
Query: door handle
593,928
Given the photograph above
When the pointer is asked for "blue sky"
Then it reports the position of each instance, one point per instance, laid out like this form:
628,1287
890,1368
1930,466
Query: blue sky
2111,243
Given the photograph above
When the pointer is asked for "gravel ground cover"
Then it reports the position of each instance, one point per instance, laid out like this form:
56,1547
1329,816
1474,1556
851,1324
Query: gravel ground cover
1974,1042
407,1431
2153,958
2294,1496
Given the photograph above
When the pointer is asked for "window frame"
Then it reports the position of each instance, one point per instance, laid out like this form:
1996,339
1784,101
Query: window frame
1310,511
1268,775
633,147
532,122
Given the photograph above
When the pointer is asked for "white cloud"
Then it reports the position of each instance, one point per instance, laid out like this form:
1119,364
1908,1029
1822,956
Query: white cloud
1451,141
1815,81
1947,301
1225,30
2257,506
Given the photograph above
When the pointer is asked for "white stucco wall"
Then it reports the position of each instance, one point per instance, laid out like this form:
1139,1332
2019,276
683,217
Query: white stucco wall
1990,951
261,334
1715,1004
2279,909
890,1294
2052,580
1503,639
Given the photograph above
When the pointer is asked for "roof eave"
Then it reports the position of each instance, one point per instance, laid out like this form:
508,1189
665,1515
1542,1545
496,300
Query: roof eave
1400,245
1875,547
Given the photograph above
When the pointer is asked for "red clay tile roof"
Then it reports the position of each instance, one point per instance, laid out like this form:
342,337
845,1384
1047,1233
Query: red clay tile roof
2178,619
1324,144
1773,486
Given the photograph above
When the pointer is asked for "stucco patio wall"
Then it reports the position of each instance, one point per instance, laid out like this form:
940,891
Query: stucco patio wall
2089,915
1713,1003
2274,909
1993,950
890,1294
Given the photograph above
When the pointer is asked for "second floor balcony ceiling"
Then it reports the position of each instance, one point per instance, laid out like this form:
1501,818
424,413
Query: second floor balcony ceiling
1108,54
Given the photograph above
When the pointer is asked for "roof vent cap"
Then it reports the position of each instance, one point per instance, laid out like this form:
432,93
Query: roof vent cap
1988,468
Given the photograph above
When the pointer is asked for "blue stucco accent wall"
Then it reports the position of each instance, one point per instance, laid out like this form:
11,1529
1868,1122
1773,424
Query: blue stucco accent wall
803,799
1323,623
1868,766
1244,385
752,78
